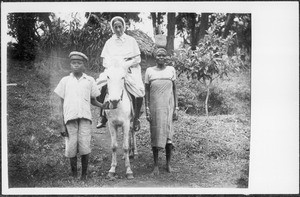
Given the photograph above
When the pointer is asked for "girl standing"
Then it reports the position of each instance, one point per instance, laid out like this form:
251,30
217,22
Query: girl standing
161,106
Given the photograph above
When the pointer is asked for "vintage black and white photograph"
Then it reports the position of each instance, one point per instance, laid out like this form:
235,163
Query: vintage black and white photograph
104,98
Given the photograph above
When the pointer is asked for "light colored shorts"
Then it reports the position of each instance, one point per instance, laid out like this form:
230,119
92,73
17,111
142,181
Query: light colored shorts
79,139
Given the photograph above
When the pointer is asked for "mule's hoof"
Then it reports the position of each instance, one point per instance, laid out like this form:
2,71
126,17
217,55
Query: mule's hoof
130,176
111,176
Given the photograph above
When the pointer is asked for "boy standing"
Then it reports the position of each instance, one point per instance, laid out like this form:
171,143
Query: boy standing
77,91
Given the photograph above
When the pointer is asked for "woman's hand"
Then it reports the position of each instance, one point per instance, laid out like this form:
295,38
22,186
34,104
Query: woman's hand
148,114
175,114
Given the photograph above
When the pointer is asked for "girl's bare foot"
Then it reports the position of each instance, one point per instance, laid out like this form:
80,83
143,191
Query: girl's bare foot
155,171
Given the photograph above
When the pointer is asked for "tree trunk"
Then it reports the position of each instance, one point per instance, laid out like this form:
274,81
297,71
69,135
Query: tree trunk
203,25
171,32
206,100
156,22
159,23
207,85
228,24
192,24
153,16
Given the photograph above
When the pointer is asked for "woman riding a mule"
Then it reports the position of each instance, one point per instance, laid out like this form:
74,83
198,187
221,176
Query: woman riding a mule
123,46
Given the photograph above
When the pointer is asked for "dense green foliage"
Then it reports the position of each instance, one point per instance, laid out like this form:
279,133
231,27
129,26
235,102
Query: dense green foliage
221,50
59,40
23,27
193,27
211,60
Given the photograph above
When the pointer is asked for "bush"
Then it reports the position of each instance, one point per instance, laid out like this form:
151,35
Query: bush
207,64
228,96
188,94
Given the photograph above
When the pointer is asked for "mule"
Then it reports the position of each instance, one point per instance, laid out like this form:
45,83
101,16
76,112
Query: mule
120,115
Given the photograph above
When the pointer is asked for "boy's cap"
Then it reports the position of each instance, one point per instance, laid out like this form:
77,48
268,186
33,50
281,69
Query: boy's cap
75,55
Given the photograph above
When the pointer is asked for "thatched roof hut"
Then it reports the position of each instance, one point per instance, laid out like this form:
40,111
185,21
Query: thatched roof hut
145,43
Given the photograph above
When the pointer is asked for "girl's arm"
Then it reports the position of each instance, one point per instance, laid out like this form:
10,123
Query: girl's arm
175,113
175,95
147,95
147,101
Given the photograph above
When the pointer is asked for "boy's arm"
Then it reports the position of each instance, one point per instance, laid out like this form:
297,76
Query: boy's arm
64,131
98,104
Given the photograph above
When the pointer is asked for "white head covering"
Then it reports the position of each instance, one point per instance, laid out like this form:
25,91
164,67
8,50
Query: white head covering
117,18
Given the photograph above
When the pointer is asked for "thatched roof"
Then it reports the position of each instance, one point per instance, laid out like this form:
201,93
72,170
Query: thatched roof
145,43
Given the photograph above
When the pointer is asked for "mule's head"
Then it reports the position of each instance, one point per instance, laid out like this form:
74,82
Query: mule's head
116,73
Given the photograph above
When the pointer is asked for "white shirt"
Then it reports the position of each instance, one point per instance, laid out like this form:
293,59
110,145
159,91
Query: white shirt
77,95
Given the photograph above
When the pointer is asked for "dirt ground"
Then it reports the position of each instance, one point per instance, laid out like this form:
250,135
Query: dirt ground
187,173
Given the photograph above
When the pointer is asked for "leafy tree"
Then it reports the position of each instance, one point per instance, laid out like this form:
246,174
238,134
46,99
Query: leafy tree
192,27
242,27
157,20
96,17
24,28
90,39
208,61
64,37
171,31
228,24
238,23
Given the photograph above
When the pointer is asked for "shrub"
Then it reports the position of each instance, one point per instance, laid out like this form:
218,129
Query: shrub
227,96
199,70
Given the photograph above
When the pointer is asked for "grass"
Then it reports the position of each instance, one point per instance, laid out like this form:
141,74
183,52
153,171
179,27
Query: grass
209,151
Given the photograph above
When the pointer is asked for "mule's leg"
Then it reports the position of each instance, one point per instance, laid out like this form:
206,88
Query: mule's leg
135,151
114,146
132,143
126,136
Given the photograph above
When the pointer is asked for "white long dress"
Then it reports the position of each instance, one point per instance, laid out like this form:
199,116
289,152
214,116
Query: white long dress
125,47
